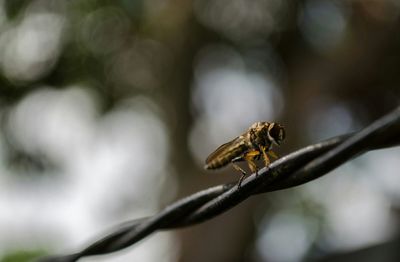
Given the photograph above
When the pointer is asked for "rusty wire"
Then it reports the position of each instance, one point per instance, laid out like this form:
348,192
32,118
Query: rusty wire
294,169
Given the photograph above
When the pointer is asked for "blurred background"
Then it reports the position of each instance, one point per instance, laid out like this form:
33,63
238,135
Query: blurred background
109,108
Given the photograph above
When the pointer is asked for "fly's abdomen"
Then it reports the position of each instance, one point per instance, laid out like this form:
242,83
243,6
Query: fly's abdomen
218,163
224,154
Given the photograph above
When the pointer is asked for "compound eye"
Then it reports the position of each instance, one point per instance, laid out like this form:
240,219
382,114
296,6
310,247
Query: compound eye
277,133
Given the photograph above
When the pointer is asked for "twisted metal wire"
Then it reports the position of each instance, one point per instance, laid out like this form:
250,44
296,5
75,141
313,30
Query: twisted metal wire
294,169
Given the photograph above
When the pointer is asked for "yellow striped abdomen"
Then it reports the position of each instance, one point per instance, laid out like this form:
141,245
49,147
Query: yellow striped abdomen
225,153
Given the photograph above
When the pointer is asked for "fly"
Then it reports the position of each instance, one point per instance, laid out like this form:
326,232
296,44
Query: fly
256,142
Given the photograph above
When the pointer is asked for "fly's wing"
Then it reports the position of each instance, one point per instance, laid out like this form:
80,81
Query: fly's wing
221,150
226,152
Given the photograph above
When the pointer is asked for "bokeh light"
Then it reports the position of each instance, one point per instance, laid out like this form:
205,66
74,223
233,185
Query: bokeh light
323,23
333,119
285,229
242,20
31,48
94,156
104,30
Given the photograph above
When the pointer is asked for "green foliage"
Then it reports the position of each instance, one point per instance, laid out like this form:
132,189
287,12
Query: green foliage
22,255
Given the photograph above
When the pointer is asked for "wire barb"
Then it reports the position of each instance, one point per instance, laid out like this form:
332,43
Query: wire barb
297,168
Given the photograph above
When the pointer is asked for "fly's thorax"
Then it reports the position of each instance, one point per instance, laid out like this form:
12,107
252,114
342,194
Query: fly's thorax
248,138
258,135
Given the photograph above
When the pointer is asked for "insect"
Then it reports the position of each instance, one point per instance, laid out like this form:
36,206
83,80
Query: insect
257,141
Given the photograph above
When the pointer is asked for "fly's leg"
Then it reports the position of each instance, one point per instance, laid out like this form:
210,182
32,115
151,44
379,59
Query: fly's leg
238,168
249,157
265,156
241,180
272,154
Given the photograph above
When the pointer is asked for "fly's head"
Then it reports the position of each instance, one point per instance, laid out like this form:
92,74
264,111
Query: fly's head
265,134
276,133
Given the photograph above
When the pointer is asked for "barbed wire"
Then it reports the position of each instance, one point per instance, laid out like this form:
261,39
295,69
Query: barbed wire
294,169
